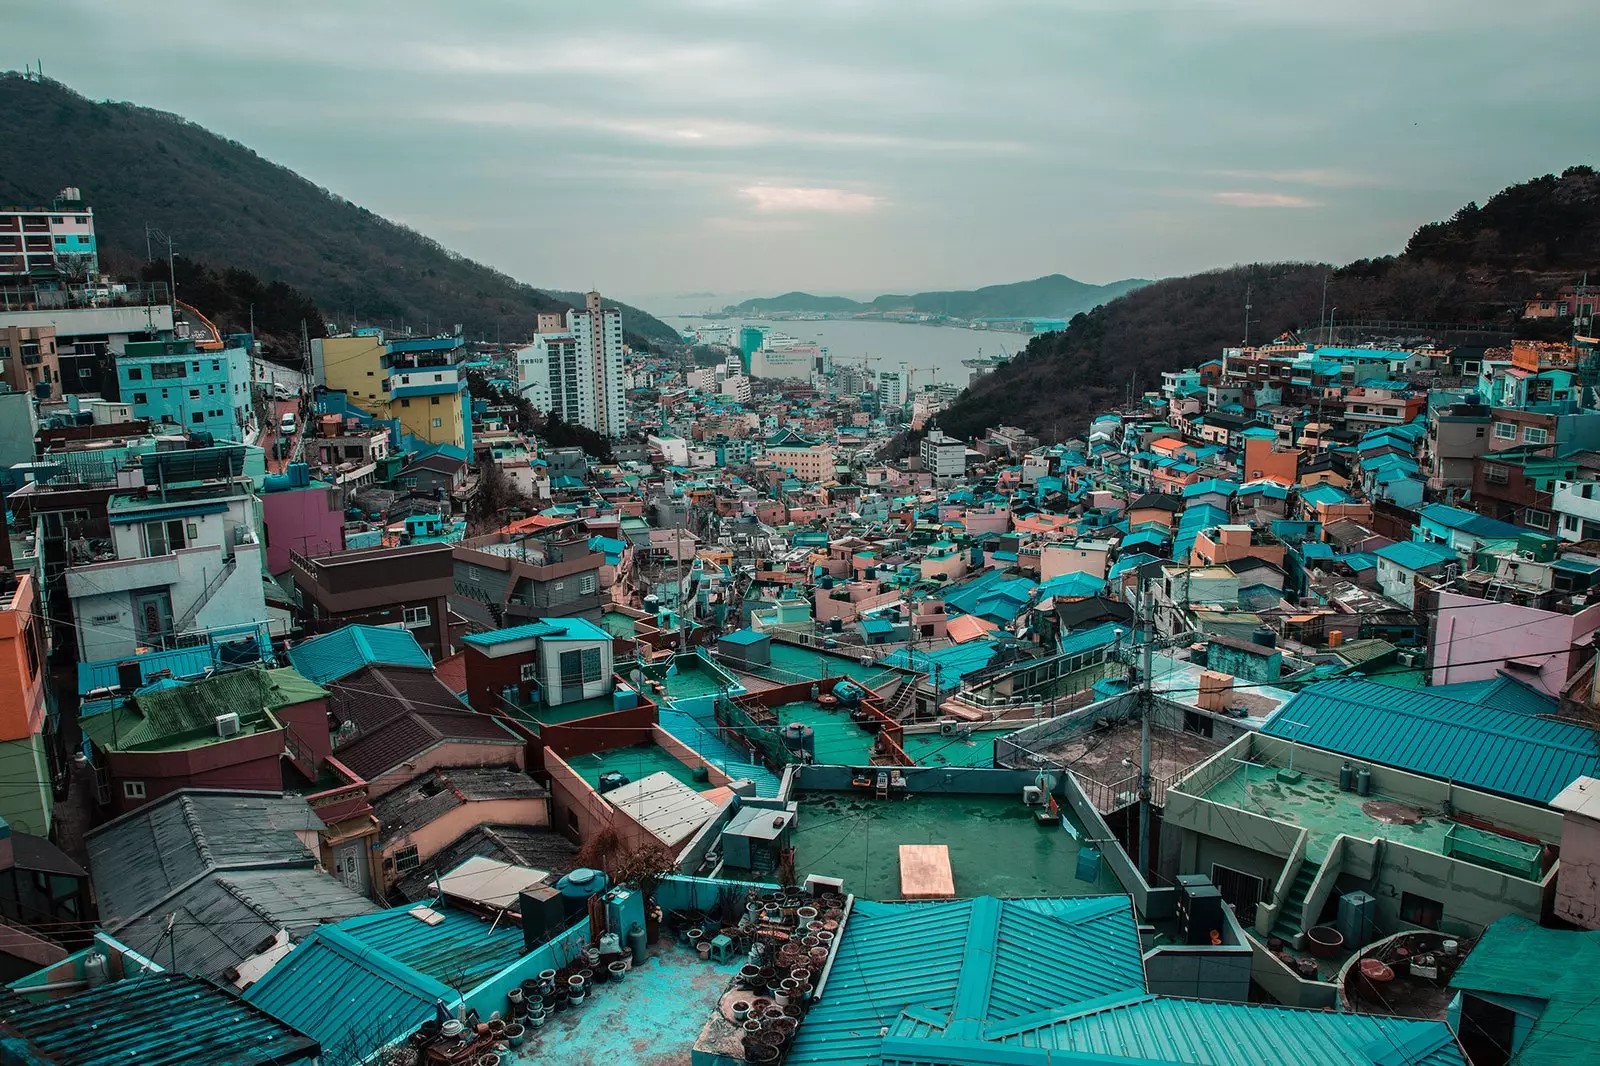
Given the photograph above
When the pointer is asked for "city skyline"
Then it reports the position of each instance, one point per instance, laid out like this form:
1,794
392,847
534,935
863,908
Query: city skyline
660,149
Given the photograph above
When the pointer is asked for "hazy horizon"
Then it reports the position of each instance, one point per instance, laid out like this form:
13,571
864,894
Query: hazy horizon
678,146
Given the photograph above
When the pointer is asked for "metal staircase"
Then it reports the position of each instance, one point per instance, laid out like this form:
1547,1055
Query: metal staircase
213,585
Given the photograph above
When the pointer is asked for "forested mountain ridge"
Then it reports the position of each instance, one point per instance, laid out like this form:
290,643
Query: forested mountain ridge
1477,267
227,207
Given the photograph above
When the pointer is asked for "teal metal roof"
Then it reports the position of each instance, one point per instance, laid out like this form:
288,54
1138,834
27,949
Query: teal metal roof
1553,967
963,965
348,996
158,1019
462,950
1071,586
529,631
1482,734
1416,555
1472,524
342,652
1151,1029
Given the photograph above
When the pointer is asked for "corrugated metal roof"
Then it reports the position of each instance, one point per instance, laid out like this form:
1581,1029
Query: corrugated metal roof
1480,734
962,966
155,1020
350,997
460,951
344,651
1517,957
1156,1029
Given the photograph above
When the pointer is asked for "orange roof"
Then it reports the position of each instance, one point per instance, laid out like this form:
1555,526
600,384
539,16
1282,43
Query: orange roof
1167,442
453,672
533,523
967,627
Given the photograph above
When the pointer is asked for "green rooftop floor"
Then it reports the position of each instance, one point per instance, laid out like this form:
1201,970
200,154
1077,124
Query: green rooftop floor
995,846
840,742
618,625
566,712
932,749
638,762
792,662
1323,811
692,678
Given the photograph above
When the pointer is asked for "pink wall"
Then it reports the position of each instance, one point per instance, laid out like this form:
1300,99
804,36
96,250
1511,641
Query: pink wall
299,520
1474,641
444,829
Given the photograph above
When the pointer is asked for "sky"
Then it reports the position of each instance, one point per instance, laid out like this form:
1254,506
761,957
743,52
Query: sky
661,149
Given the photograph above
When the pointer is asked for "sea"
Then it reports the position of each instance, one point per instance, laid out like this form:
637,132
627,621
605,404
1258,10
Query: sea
932,354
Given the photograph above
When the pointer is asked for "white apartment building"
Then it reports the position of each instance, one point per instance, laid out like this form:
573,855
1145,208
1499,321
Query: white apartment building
942,456
1577,510
737,387
891,389
599,334
554,376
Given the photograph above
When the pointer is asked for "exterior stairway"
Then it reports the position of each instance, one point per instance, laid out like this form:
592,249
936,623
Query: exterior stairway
1291,918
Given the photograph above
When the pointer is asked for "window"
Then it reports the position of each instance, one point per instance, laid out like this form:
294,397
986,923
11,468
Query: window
198,417
1505,431
163,371
135,374
1495,474
1538,519
133,790
587,584
529,672
1535,435
141,397
1199,724
30,641
194,394
415,617
407,859
1420,910
434,400
163,538
1569,523
405,403
437,423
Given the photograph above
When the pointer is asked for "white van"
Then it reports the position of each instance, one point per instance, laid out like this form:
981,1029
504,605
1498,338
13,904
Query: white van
286,427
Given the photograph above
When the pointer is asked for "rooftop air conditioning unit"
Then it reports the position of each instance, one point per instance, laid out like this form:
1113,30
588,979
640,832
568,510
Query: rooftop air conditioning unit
227,724
1032,795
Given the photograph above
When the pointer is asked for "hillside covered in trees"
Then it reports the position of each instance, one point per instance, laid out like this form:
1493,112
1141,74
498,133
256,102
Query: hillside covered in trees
227,207
1052,296
1475,268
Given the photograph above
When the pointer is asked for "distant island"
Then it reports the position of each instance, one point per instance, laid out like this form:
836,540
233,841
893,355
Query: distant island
1053,297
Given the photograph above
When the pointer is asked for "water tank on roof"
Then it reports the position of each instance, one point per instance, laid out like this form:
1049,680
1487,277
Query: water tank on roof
582,883
847,693
1264,636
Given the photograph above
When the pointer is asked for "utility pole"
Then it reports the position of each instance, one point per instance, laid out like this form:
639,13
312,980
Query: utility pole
1146,710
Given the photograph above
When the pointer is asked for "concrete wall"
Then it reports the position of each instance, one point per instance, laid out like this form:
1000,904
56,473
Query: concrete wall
1578,889
1198,833
1219,973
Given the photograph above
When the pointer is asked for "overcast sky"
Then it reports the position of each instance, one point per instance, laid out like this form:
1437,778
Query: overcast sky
656,147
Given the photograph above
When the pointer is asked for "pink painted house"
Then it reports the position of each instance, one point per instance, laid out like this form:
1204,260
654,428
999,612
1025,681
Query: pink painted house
1477,639
300,515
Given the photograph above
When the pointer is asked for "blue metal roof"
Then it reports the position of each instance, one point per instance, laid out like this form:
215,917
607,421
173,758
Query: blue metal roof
157,1019
962,965
339,989
1482,734
1416,555
1476,525
1073,585
183,662
464,949
1152,1029
344,651
743,637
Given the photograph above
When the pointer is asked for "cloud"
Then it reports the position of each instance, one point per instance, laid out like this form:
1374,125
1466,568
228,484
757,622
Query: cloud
1314,176
792,199
1261,199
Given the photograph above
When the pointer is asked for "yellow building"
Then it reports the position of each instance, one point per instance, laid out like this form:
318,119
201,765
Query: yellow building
356,367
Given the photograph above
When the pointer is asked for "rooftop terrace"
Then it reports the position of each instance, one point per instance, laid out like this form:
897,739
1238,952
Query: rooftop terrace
637,762
651,1017
1324,812
854,837
571,711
